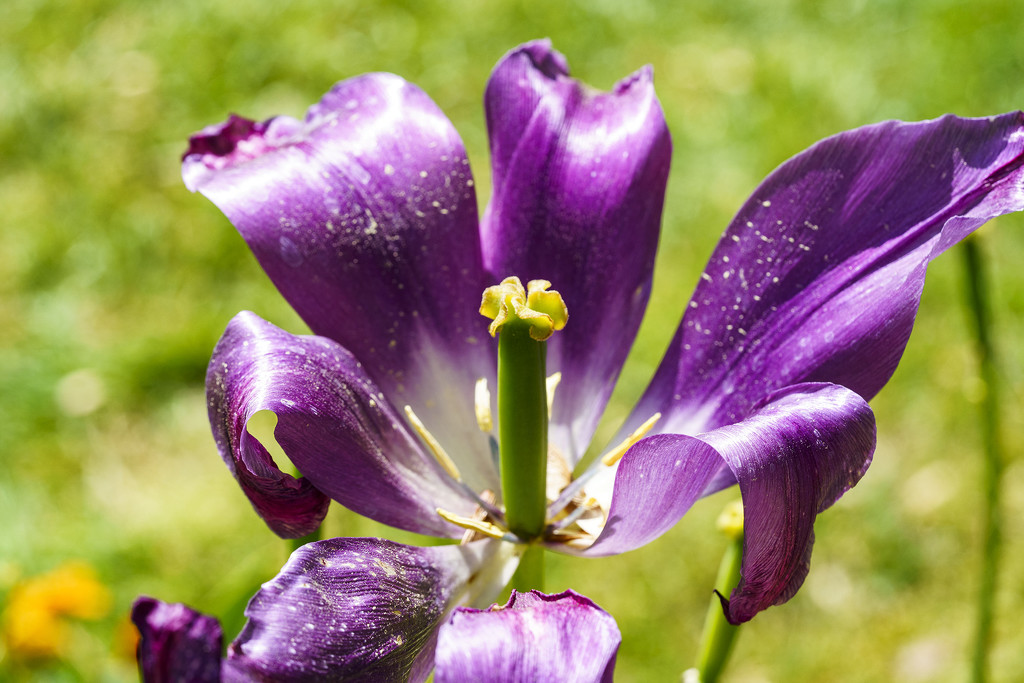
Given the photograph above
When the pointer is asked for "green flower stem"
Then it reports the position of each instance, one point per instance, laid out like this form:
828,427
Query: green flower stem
530,573
296,543
978,311
523,429
719,635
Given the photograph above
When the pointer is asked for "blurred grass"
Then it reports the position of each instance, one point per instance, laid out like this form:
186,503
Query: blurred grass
115,283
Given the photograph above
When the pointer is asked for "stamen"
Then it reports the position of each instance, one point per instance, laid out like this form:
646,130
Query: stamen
551,384
482,404
439,453
613,456
575,514
485,499
485,528
575,541
616,453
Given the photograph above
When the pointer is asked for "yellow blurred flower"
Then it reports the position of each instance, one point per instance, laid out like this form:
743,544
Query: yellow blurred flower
34,621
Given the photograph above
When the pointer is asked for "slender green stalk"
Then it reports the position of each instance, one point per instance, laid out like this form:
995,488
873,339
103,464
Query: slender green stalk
978,311
523,427
719,635
296,543
530,573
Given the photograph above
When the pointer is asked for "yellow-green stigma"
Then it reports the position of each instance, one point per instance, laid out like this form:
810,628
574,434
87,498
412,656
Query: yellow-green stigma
544,311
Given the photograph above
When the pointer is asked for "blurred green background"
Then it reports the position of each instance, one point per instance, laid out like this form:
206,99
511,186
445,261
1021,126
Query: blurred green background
115,283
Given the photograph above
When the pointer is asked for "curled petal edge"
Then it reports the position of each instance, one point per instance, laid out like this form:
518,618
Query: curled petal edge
793,457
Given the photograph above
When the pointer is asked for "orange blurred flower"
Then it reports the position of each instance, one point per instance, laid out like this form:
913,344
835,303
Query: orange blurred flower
34,623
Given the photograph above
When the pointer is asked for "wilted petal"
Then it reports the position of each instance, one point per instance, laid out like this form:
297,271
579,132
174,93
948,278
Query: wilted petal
579,183
364,216
176,643
333,423
534,637
819,276
793,457
352,609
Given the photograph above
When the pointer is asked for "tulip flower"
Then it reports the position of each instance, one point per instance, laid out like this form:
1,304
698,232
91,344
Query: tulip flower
364,215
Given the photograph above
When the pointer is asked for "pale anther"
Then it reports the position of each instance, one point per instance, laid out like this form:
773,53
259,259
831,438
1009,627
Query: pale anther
435,447
485,528
551,383
616,453
482,405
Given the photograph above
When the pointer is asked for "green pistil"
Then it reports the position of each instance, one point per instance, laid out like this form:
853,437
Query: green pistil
296,543
522,321
523,429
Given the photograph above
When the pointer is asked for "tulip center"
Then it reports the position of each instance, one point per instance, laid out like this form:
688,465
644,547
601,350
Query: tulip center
523,319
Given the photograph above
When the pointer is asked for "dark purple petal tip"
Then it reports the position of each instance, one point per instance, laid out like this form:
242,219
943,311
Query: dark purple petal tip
229,143
221,139
291,507
533,637
643,76
546,59
177,643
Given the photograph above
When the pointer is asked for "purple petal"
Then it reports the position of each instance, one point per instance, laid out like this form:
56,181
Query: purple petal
819,276
365,217
579,183
176,643
353,609
534,637
656,483
793,457
333,423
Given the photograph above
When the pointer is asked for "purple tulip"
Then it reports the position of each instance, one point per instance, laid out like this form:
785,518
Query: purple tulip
364,215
